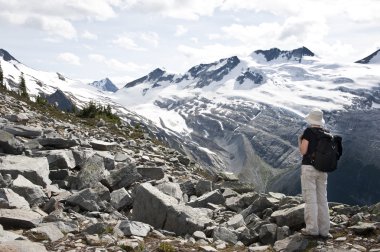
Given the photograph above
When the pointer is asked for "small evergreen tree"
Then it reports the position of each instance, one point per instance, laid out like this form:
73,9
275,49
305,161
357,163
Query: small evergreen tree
2,85
22,87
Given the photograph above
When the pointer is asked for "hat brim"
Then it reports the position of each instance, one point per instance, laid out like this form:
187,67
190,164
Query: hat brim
315,122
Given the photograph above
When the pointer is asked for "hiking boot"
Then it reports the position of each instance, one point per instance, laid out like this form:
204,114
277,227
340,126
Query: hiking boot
328,236
306,233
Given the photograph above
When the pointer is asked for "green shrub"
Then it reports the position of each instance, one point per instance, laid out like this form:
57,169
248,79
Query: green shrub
166,247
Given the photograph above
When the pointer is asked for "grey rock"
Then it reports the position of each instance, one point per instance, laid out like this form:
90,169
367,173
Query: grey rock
47,231
363,228
34,169
19,218
21,117
227,176
97,228
60,159
292,217
171,189
10,199
122,157
123,177
58,143
214,197
87,199
163,212
207,249
22,246
246,236
104,146
108,158
155,173
293,243
202,187
229,193
136,228
121,199
9,144
66,227
31,192
268,233
282,232
81,156
236,221
61,174
184,160
24,131
92,172
188,187
240,202
6,180
356,219
199,235
225,234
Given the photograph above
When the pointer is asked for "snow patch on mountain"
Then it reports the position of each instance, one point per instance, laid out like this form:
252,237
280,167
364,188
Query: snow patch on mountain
104,85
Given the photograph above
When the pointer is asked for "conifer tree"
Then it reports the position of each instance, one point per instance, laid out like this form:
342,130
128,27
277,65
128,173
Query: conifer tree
22,87
1,77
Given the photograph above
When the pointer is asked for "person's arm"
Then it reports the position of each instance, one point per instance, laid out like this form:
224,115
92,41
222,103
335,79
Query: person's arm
303,146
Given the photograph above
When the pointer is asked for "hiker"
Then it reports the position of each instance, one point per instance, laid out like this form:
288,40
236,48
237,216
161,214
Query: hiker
313,181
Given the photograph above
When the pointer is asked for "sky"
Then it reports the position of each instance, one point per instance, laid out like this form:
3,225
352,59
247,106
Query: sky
123,40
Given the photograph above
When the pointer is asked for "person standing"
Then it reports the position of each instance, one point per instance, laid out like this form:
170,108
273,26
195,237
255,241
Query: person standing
313,182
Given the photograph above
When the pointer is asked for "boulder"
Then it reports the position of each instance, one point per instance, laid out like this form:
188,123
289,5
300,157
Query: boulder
9,144
123,177
108,159
363,228
87,199
10,199
60,159
202,187
153,207
104,146
19,218
295,242
240,202
93,171
21,246
23,131
155,173
35,170
47,231
97,228
214,197
31,192
121,199
225,234
58,143
21,117
268,233
236,221
171,189
188,187
136,228
292,217
81,156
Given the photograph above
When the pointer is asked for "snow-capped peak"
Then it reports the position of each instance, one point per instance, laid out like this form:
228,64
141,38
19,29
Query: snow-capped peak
104,85
275,55
7,56
374,58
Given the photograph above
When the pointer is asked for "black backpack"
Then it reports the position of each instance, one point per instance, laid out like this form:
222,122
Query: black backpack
328,151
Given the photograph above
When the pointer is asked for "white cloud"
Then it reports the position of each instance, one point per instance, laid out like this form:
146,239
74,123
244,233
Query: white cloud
117,65
137,41
180,9
89,35
180,30
150,38
126,42
69,58
56,17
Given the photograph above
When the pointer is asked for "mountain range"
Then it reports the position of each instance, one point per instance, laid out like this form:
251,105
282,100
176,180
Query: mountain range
244,114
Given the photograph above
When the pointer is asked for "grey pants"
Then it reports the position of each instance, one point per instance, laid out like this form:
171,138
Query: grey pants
314,192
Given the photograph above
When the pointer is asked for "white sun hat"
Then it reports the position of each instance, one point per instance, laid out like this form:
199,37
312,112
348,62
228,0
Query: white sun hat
315,117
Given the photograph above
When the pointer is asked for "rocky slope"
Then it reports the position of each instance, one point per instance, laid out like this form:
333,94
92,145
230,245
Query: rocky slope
69,186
